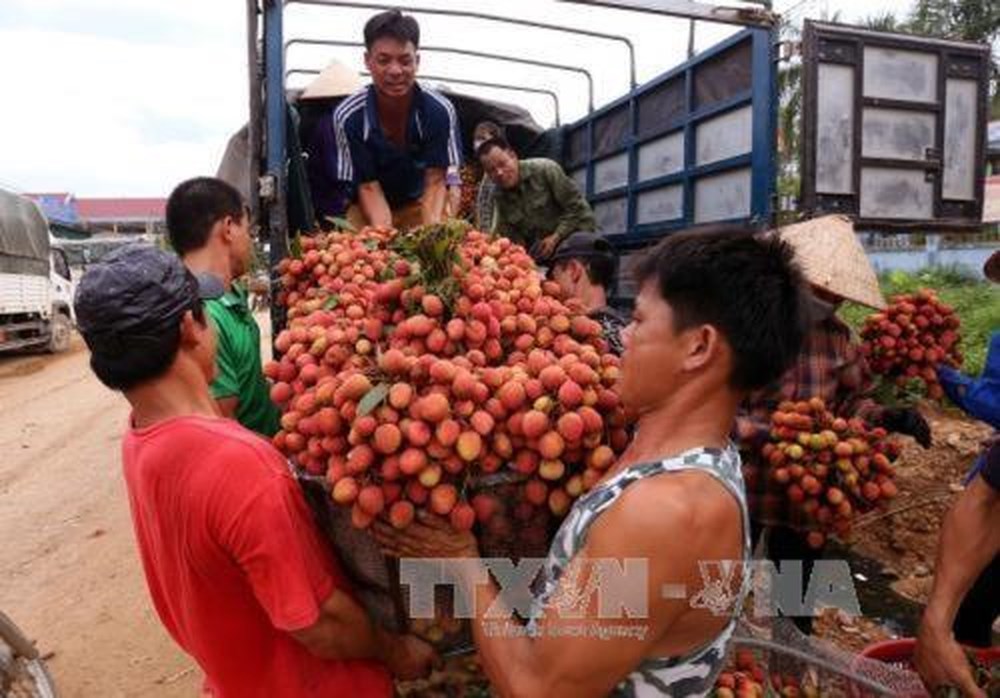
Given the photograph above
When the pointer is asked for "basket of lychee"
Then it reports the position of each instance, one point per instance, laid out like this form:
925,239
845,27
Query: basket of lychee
417,369
768,668
746,677
907,341
828,468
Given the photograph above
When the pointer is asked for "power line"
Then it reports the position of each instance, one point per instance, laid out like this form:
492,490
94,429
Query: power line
792,8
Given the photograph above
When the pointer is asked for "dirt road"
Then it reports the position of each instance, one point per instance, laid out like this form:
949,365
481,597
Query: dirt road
69,572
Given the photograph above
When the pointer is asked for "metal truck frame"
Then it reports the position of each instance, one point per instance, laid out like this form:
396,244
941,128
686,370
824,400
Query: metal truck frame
694,145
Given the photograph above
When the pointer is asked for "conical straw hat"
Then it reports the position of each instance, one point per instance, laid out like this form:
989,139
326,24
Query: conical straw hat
833,259
336,80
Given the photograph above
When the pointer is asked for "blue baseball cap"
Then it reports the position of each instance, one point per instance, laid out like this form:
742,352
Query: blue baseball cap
581,245
134,295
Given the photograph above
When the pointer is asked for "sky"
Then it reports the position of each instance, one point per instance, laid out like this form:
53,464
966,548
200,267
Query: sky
112,98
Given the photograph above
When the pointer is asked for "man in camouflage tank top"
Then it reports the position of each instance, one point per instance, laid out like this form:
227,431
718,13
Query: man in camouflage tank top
718,315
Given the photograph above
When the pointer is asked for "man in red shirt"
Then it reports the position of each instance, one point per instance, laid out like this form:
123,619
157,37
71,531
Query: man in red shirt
237,571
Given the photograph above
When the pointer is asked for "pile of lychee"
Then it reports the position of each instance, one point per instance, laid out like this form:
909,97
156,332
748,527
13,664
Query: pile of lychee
405,390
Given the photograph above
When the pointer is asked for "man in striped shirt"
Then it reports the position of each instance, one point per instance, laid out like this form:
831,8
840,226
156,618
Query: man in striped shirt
395,139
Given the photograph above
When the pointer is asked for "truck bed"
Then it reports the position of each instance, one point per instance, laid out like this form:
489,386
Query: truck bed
24,293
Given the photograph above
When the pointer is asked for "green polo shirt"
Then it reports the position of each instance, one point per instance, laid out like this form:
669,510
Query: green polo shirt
545,201
237,360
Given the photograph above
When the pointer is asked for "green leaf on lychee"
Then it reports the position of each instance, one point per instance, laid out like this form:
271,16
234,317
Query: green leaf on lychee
372,399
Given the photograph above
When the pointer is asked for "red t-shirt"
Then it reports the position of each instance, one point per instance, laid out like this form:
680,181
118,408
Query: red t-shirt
233,560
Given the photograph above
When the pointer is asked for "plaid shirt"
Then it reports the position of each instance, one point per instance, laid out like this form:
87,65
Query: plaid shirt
830,366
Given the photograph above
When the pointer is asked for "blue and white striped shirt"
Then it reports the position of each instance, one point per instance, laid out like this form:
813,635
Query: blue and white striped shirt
364,154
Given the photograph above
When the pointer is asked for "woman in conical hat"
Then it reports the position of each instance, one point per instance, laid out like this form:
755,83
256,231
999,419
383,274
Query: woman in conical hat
833,260
830,366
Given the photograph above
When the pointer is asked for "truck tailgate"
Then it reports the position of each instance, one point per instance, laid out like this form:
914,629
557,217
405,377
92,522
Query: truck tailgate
24,293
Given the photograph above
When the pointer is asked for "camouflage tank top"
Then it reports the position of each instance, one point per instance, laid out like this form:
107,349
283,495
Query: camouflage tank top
694,673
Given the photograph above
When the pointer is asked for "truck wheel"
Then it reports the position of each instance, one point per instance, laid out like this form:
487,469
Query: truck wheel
62,332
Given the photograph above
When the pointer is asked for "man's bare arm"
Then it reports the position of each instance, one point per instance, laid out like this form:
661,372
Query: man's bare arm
344,631
435,195
228,406
970,538
454,202
373,204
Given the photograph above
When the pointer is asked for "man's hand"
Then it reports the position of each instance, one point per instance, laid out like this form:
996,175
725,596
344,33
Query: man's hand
910,422
427,536
940,661
408,657
548,245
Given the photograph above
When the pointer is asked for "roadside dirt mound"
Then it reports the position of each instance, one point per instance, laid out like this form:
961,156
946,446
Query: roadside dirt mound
904,538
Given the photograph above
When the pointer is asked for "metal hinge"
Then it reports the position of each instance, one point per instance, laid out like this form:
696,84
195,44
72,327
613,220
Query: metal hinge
267,187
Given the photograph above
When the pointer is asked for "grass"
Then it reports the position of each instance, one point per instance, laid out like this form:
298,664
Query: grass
977,303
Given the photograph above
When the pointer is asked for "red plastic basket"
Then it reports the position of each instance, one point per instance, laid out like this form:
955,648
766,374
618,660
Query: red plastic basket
899,654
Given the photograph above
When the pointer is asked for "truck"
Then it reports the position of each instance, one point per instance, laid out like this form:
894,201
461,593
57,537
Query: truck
36,291
893,126
81,254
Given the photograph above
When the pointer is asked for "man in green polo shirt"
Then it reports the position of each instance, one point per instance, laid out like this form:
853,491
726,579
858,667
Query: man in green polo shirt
209,227
536,203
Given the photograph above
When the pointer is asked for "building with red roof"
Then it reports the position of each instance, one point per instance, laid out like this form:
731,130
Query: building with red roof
127,215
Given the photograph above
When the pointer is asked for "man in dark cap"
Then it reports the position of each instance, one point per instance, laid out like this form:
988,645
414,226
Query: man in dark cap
584,266
237,572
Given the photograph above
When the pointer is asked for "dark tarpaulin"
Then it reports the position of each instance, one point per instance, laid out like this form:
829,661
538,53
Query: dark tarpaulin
527,137
235,165
523,133
24,236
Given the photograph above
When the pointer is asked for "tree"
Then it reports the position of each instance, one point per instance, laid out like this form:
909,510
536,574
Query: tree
968,20
882,22
928,17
